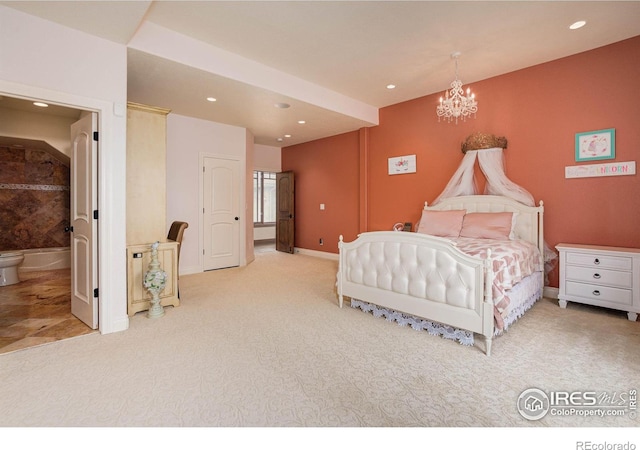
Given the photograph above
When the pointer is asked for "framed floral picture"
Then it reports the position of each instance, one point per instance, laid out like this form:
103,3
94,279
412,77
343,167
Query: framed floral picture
594,145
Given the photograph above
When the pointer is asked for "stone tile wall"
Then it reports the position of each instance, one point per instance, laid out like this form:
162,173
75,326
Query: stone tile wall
34,199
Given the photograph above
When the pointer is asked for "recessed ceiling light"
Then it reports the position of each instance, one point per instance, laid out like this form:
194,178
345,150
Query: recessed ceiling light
212,99
391,86
40,104
287,135
578,24
301,122
282,105
279,139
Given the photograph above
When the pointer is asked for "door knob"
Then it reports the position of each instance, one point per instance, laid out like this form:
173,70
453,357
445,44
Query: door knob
237,218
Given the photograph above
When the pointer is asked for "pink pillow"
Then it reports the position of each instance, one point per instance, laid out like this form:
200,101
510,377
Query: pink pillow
441,223
487,225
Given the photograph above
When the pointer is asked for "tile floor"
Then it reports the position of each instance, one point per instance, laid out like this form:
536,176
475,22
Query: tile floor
37,311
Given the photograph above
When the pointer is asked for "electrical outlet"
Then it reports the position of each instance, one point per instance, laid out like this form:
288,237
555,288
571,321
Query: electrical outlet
321,241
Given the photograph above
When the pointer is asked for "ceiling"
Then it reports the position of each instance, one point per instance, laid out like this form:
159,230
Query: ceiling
329,60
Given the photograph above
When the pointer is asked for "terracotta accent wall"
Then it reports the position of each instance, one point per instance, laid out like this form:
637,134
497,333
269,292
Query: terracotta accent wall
34,200
326,171
539,110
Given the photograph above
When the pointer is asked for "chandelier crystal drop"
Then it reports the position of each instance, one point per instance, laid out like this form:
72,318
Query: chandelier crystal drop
455,103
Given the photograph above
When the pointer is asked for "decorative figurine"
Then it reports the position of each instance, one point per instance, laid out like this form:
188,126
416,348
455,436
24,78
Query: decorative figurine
155,281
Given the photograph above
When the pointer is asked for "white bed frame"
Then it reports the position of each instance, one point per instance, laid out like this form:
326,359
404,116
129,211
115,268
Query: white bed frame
427,276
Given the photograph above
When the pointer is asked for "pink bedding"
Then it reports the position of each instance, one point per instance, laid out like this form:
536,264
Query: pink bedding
513,260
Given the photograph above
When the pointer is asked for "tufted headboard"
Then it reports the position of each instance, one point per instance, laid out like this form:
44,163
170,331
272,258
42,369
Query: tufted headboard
529,224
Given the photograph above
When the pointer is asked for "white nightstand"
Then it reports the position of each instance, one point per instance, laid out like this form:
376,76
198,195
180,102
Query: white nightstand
600,276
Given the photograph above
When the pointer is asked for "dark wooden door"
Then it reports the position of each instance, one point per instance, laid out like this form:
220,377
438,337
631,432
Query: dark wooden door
285,215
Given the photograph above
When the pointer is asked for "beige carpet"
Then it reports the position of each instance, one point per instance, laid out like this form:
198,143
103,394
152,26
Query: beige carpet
266,345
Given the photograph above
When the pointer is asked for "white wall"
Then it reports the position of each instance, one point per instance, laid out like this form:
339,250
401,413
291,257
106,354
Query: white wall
187,140
39,53
43,60
268,159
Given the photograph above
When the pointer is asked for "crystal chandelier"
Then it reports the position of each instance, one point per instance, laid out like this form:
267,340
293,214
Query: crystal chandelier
455,103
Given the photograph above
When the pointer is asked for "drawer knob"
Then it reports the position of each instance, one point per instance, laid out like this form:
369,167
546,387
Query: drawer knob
596,276
596,292
596,261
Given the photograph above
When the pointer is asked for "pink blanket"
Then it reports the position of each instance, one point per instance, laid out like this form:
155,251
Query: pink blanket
513,260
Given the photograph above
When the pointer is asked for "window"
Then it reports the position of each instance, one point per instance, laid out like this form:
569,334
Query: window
264,198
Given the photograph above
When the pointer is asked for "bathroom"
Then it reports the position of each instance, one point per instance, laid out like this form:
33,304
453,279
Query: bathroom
34,194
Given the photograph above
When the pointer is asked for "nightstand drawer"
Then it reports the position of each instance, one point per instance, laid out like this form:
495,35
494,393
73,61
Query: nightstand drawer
599,260
599,276
600,293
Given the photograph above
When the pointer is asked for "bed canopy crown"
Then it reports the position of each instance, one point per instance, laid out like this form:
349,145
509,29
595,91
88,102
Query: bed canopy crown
478,141
487,149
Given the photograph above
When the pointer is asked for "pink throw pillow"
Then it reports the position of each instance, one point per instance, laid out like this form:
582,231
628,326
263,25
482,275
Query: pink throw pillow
441,223
487,225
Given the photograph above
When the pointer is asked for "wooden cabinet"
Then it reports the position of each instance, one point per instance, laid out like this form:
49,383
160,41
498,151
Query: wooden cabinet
600,276
146,173
138,259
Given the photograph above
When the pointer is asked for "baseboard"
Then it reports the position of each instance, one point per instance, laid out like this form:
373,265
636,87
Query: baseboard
190,270
264,241
316,253
551,292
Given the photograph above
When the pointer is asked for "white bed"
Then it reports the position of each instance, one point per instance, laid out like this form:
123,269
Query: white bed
427,282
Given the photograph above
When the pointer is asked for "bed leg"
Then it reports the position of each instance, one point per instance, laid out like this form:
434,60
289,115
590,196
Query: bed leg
487,344
340,300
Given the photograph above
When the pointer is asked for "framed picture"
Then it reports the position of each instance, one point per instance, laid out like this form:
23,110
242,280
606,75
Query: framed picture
402,164
594,145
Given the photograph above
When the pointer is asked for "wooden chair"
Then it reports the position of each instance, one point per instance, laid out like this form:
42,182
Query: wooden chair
175,234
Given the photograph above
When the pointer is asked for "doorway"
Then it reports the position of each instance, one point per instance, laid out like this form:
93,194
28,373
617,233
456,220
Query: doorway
38,309
264,211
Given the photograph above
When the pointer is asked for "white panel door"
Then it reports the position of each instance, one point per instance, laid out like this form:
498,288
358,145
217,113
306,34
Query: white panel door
221,213
84,225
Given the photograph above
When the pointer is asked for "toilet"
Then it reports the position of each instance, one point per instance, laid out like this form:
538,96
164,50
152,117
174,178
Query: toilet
9,262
